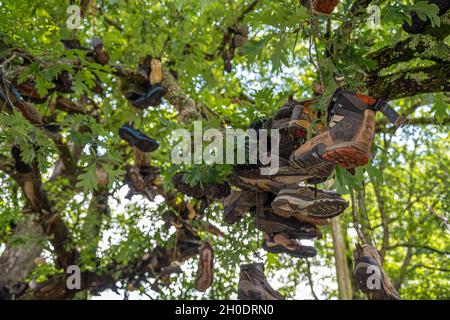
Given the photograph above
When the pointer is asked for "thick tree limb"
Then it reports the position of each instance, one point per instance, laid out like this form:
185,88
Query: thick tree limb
420,46
411,82
150,265
17,261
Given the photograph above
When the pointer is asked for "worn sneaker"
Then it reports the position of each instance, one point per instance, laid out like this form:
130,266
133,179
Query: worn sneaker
253,284
250,178
270,223
349,138
237,203
281,243
309,202
137,139
205,272
370,276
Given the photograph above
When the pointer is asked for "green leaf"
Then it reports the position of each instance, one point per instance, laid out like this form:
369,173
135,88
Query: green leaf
425,10
375,175
440,107
88,179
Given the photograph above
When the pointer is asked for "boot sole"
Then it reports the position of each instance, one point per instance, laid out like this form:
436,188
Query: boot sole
292,231
348,155
308,252
319,209
150,101
143,144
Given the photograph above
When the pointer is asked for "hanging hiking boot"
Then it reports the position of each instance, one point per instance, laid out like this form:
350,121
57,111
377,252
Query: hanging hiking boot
214,191
281,243
237,203
205,273
137,139
370,276
309,202
253,284
321,6
302,117
418,25
350,135
19,164
270,223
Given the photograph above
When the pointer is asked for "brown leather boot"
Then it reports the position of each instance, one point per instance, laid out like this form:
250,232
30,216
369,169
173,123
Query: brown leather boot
302,117
350,135
253,284
370,276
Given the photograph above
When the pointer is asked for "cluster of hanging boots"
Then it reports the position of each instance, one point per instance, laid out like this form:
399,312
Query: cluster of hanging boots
285,206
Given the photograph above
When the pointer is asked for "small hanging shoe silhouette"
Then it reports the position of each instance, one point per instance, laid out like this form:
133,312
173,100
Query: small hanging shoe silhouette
205,273
156,91
137,139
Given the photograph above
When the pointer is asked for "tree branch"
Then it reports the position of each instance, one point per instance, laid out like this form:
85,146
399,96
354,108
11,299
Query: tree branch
410,82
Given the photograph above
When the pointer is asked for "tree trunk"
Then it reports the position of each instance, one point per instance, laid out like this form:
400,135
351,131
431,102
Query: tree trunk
342,271
18,260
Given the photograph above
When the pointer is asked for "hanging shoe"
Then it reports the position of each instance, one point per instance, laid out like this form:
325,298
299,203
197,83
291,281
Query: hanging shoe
205,273
213,191
28,91
309,202
11,98
270,223
100,55
19,164
349,138
237,203
281,243
302,117
370,276
156,74
253,284
137,139
321,6
151,98
140,184
250,178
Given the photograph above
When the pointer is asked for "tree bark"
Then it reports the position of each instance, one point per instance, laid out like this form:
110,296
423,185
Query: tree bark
342,271
17,260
